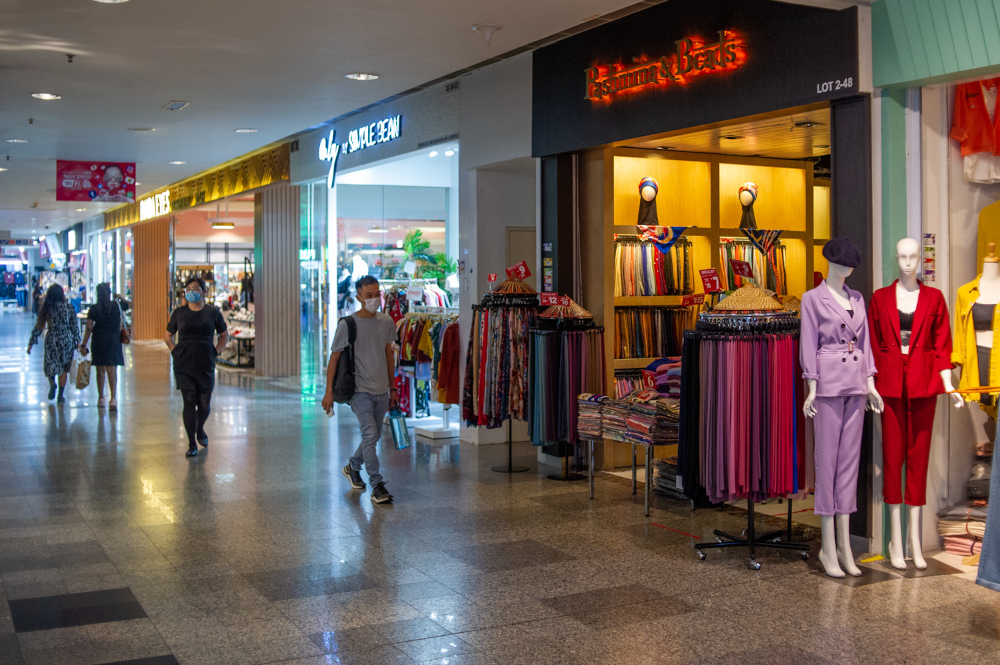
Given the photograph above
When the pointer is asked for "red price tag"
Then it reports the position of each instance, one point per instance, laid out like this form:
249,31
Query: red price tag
693,300
492,277
548,299
741,268
520,270
564,301
711,281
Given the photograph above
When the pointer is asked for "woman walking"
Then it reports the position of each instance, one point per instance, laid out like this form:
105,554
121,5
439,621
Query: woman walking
105,322
194,353
61,340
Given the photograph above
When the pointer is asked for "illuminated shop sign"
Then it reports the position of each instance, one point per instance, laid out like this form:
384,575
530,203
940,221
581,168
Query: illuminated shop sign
17,242
154,206
367,136
692,58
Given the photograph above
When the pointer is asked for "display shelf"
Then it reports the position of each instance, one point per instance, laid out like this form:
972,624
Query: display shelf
650,301
632,363
697,231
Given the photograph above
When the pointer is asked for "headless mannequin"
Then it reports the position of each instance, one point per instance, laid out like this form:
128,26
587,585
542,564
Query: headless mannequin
907,294
837,539
989,291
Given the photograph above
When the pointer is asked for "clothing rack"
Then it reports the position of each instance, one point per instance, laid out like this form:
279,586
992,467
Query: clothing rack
727,327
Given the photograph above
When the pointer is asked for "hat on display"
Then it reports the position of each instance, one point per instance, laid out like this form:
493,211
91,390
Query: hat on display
748,298
749,187
842,251
649,182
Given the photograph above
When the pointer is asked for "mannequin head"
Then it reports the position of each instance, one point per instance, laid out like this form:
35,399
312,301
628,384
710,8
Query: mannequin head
908,256
838,271
748,193
648,188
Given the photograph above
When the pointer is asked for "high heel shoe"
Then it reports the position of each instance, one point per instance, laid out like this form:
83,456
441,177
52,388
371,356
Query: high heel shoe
191,452
113,405
101,402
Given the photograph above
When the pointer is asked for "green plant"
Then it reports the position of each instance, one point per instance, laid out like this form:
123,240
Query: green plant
417,248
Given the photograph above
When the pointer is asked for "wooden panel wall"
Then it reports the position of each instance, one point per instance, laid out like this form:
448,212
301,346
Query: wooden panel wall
150,279
277,316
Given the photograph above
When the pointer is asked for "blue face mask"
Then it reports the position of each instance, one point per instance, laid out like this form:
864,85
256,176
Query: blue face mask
192,296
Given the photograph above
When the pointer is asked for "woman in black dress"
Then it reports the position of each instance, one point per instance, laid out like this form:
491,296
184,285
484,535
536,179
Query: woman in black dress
194,353
104,322
61,340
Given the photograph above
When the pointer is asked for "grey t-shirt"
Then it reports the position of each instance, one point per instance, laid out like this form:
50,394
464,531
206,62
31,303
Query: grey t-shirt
370,373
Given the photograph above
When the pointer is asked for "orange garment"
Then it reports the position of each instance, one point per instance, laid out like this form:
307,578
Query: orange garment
971,125
448,380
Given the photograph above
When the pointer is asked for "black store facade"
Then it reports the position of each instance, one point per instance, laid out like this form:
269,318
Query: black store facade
702,96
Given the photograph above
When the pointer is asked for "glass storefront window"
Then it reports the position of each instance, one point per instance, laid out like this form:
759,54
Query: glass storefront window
314,285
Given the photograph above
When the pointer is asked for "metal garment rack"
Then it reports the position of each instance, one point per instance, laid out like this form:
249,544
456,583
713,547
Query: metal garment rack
743,322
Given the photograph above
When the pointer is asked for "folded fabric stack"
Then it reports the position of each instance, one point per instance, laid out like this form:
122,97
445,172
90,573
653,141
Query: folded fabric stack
652,419
962,527
588,423
666,375
614,415
665,478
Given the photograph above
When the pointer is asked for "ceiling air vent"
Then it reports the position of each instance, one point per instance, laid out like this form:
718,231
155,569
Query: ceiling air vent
176,106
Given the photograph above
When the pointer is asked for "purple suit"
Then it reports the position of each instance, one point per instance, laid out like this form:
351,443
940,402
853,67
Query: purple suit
836,353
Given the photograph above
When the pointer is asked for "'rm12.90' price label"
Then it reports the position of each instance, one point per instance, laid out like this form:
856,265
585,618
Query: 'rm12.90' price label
832,86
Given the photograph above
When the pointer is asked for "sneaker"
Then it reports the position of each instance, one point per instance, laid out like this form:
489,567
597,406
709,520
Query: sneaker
380,494
354,477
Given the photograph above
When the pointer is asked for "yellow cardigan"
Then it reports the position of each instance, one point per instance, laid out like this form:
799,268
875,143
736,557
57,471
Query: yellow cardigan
964,351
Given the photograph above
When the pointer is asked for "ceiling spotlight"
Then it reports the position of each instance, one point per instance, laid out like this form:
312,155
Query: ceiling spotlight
731,137
433,153
16,140
806,125
823,145
449,153
140,129
111,2
245,130
2,169
81,210
486,30
361,76
47,96
176,163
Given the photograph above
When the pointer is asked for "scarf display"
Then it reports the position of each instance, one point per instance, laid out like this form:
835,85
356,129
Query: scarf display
563,365
652,332
643,270
629,380
768,269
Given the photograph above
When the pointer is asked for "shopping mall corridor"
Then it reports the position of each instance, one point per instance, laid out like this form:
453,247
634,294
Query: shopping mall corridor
114,547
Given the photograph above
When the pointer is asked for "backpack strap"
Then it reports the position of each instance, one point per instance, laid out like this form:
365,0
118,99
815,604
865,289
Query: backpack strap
352,330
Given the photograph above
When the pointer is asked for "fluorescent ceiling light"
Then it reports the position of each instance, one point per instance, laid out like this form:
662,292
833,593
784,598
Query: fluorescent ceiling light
16,140
221,224
111,2
431,229
81,210
176,163
245,130
433,153
449,153
2,169
376,230
361,76
47,96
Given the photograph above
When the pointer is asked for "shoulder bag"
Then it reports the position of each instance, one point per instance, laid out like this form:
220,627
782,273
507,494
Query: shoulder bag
126,334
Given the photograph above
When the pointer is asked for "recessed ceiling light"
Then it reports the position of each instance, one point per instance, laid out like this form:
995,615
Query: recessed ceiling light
823,145
47,96
731,137
176,163
433,153
16,140
246,130
176,106
806,125
361,76
138,184
376,230
665,147
111,2
449,153
140,129
2,169
81,210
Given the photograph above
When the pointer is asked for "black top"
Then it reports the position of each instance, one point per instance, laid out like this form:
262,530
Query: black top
195,350
905,327
106,345
982,317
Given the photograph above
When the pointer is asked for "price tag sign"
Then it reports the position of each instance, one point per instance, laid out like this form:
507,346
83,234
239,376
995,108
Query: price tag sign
710,279
410,267
520,270
415,294
549,299
741,268
698,299
492,277
564,301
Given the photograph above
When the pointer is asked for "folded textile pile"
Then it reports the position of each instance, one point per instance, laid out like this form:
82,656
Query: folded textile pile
665,478
962,527
588,424
652,419
666,375
614,415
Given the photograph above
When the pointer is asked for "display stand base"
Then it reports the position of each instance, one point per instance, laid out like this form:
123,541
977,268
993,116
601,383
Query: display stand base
428,422
510,468
752,541
438,433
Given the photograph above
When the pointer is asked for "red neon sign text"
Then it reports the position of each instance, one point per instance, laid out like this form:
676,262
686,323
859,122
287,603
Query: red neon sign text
691,59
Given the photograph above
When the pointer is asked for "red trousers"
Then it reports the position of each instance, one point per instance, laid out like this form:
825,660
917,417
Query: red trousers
906,437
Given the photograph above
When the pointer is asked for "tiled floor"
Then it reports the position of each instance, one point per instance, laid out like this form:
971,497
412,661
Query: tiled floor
259,552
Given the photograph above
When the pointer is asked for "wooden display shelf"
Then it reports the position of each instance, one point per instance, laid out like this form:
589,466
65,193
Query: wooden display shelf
649,301
634,363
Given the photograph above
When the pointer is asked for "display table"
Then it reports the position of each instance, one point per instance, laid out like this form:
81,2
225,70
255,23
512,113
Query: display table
244,343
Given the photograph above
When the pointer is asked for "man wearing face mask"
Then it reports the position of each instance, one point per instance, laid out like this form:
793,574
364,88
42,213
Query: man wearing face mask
374,369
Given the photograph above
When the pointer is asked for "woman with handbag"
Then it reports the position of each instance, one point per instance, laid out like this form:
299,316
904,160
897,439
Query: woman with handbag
106,323
61,340
194,353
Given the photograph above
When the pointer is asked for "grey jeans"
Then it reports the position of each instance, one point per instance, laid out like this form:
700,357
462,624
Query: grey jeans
370,410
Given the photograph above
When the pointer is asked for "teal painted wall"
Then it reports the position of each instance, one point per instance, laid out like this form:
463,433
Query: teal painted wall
921,42
893,178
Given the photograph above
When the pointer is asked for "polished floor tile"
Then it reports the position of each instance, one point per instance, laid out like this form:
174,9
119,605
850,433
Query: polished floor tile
258,551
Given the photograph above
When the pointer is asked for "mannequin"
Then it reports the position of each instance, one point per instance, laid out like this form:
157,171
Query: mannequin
838,367
989,291
647,202
975,323
748,196
911,342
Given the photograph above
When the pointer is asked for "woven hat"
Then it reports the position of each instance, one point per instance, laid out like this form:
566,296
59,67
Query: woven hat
572,311
792,304
513,286
748,298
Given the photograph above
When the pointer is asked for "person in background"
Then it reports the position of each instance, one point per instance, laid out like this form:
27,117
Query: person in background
61,340
194,353
374,370
105,321
36,296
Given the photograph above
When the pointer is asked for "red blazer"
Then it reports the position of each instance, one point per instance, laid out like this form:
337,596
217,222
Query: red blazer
971,124
930,343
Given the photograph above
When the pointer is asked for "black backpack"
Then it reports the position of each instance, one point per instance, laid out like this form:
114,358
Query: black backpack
343,380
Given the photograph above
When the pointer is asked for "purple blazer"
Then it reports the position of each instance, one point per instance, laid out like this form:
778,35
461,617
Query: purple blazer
835,348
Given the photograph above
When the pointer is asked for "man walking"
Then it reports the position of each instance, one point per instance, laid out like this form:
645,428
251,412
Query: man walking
374,372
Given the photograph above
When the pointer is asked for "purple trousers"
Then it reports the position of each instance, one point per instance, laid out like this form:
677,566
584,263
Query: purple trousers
837,430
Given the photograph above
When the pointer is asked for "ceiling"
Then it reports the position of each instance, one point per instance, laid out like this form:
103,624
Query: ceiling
411,170
778,137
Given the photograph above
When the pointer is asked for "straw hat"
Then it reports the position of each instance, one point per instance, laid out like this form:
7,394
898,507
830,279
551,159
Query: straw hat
573,311
513,286
792,304
748,298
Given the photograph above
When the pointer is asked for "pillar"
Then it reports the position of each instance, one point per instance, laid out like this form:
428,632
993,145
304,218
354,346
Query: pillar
277,307
151,279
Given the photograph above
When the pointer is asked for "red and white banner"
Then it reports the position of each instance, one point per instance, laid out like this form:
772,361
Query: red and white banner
711,281
520,270
741,268
110,182
698,299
